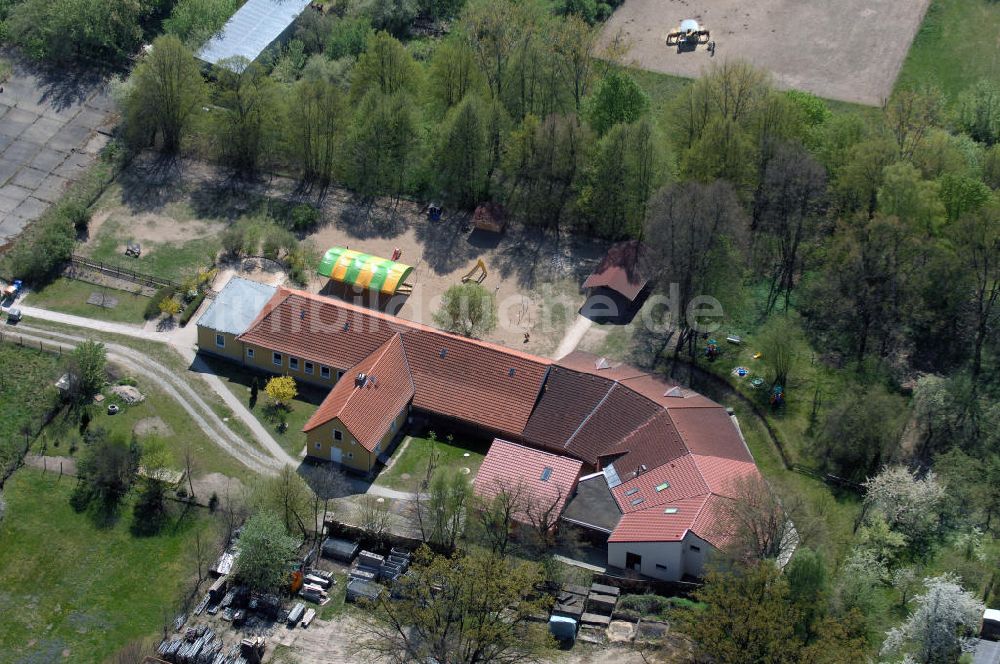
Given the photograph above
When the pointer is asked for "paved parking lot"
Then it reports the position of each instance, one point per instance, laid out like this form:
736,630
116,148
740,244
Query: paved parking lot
52,125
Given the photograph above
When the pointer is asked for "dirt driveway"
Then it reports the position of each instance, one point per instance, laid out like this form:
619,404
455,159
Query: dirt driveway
849,50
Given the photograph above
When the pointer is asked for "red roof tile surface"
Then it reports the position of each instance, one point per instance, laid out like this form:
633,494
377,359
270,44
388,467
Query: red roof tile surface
521,469
367,408
620,270
482,383
597,412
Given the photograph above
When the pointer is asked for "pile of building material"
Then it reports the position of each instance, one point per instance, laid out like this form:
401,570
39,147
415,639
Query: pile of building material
202,646
374,567
315,584
128,394
339,549
362,589
601,603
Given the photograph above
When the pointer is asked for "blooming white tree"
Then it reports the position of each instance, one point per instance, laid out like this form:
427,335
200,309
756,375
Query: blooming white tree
910,505
941,627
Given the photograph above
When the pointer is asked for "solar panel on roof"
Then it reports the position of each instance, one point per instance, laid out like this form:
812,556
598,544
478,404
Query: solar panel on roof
663,487
670,510
631,492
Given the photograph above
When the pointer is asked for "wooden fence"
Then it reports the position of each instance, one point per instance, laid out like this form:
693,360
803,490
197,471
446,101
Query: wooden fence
120,272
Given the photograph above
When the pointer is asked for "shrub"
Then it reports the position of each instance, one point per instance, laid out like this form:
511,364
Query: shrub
191,308
348,37
77,213
304,217
153,306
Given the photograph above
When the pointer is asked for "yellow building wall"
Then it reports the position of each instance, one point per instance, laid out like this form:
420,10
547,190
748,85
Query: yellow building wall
231,349
262,359
320,441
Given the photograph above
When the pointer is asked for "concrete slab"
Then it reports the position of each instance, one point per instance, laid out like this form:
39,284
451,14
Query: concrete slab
31,209
850,50
7,205
70,137
41,130
29,178
14,192
52,188
21,151
48,159
7,171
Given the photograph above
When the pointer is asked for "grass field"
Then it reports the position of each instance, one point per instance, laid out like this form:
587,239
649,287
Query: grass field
159,415
75,593
167,260
410,463
958,44
303,406
26,388
70,297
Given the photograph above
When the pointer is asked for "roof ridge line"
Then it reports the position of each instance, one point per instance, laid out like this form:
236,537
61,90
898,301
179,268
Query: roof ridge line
590,415
384,348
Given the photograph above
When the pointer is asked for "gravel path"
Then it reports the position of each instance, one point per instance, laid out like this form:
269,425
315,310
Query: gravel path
198,409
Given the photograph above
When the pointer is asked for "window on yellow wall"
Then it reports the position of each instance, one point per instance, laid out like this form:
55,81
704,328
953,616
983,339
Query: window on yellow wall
309,368
250,353
293,363
220,341
338,434
324,373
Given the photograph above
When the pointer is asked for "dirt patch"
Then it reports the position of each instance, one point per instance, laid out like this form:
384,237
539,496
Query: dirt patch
850,50
152,426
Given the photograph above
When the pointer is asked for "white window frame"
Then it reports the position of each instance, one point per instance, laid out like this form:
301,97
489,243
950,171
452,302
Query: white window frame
276,359
338,434
293,363
220,340
324,372
249,353
340,374
309,367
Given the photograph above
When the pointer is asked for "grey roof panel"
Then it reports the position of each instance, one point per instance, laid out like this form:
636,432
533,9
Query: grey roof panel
252,29
987,652
236,306
593,505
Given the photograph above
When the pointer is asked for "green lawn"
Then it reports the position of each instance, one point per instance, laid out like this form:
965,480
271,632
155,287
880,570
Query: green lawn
958,44
167,260
239,380
160,409
70,297
27,388
410,463
73,592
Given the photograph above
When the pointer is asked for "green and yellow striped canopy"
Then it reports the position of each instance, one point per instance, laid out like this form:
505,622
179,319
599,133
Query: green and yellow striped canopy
358,269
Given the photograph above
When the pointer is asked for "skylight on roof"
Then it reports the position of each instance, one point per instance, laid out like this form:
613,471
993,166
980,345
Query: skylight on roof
636,501
546,473
670,510
443,354
511,372
663,487
631,492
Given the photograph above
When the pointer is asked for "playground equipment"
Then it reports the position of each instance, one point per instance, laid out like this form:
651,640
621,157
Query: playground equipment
712,349
688,33
472,276
777,396
364,270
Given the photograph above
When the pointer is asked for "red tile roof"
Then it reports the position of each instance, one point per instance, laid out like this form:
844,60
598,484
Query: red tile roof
656,525
654,443
678,480
722,475
479,382
584,362
567,400
368,408
710,432
513,467
620,270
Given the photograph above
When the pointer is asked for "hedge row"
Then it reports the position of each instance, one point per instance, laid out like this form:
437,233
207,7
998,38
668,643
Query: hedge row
191,308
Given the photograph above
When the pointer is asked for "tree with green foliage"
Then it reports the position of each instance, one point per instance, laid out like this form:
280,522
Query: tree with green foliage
453,74
393,16
281,390
444,510
195,21
573,44
385,67
42,249
316,111
170,307
165,90
247,115
861,432
618,99
87,369
381,144
807,590
962,195
978,111
909,115
105,472
748,618
65,30
288,497
625,168
465,609
463,154
264,553
495,30
348,37
906,195
468,309
150,511
546,163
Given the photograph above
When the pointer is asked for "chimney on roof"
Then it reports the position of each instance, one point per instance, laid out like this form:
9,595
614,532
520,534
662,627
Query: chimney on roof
302,314
360,379
640,470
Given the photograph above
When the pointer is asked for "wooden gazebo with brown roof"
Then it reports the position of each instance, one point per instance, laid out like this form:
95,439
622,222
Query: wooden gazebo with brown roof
621,270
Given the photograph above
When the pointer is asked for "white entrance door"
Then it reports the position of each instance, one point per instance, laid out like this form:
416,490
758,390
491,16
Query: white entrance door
335,454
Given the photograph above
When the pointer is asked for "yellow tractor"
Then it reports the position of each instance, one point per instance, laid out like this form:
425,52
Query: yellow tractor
689,34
